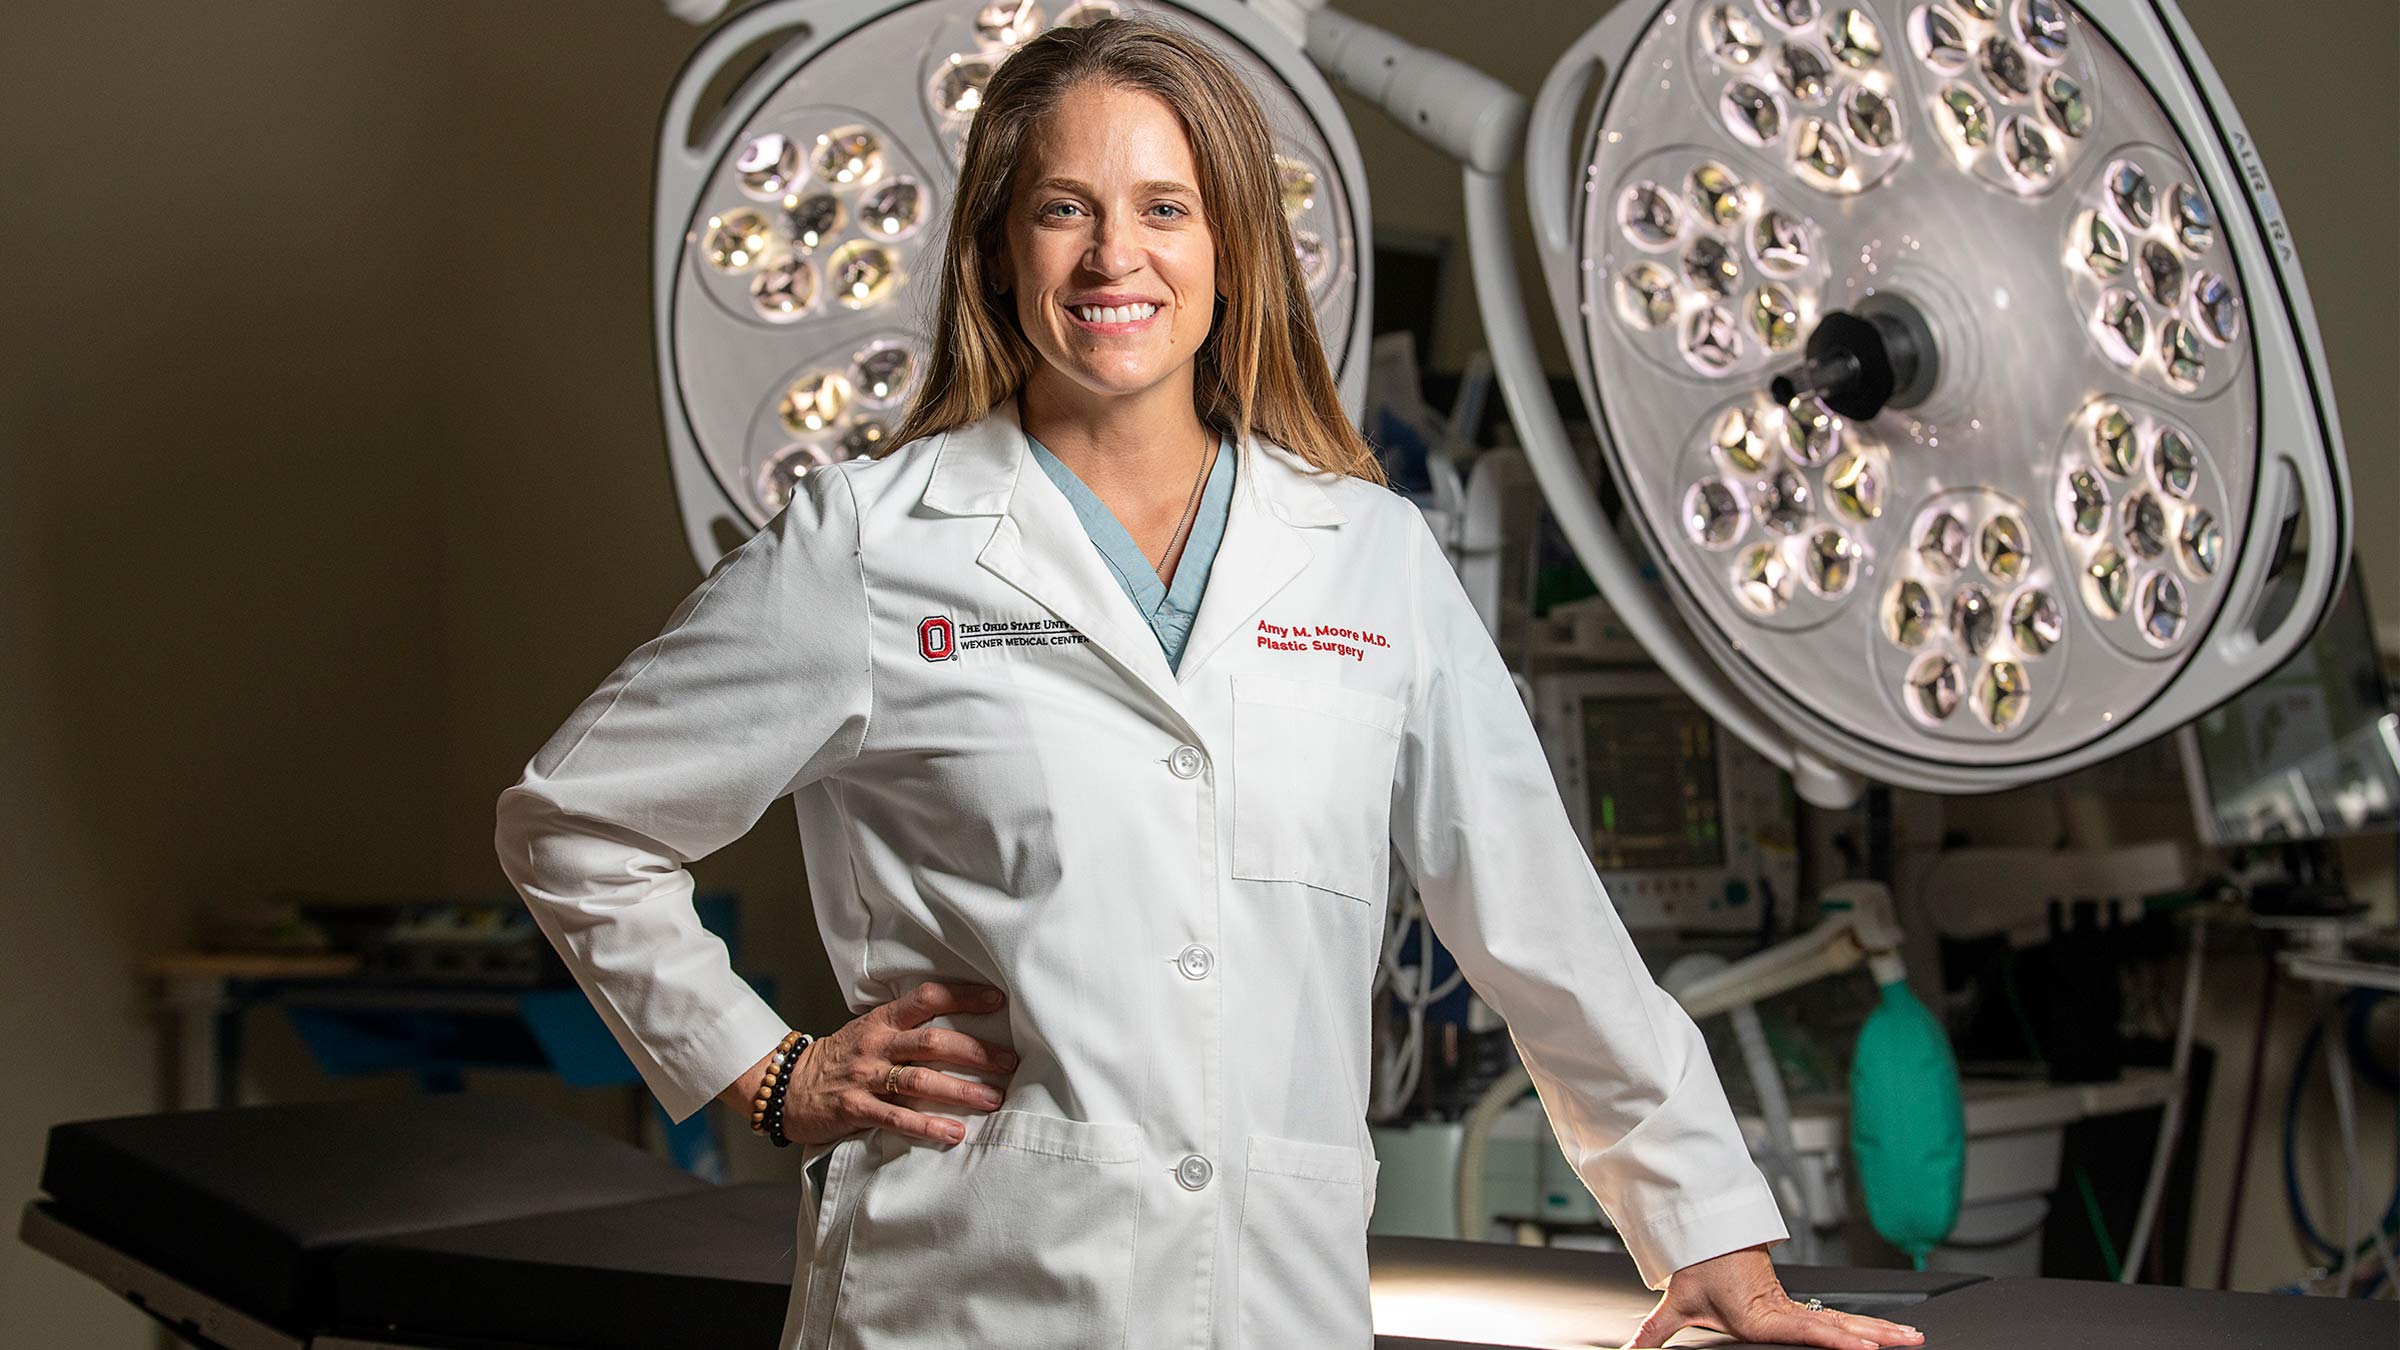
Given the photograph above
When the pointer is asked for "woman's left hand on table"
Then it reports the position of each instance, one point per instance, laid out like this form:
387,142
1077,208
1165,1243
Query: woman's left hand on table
1738,1294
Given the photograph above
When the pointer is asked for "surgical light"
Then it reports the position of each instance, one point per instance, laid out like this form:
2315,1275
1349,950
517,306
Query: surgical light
1953,365
798,226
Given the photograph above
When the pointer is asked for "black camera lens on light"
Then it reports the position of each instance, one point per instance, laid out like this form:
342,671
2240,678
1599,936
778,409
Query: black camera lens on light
1860,363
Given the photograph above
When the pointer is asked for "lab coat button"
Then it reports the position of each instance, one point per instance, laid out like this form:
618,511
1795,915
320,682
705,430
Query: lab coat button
1193,1172
1185,761
1196,961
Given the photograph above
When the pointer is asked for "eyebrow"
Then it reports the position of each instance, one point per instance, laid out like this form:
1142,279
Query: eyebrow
1146,187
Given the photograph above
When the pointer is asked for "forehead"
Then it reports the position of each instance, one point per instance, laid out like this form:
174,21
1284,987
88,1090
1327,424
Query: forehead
1110,137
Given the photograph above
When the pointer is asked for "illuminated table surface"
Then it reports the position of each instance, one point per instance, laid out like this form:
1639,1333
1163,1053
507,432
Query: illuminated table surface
1439,1294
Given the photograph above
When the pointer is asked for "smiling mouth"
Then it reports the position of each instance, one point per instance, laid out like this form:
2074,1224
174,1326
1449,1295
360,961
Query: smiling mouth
1112,318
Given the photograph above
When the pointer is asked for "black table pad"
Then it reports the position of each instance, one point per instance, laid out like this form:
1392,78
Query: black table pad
2014,1314
710,1271
249,1204
486,1220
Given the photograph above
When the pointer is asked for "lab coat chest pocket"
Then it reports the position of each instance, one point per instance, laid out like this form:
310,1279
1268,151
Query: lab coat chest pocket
1304,1245
1313,767
1022,1234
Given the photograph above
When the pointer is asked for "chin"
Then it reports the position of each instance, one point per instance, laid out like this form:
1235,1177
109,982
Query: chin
1117,382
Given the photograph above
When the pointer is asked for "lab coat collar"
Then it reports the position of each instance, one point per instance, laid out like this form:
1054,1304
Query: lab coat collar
977,467
1040,547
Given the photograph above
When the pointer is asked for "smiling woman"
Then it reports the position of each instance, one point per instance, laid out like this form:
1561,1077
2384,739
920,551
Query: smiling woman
1114,276
1114,167
1105,699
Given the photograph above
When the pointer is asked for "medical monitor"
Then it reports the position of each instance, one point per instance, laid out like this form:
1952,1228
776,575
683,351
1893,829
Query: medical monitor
1688,829
2310,752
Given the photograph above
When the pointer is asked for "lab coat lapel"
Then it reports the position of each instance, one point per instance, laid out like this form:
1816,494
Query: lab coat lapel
1264,547
1040,546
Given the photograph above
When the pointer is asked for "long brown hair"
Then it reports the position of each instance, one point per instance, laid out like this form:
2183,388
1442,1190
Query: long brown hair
1262,366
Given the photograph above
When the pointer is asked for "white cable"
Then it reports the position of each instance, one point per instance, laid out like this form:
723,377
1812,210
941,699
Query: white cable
1407,1063
1776,1110
1488,1108
1393,1082
2347,1253
1401,1057
2170,1120
2337,1067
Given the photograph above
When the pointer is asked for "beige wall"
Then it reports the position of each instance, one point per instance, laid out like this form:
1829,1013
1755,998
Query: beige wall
332,480
330,475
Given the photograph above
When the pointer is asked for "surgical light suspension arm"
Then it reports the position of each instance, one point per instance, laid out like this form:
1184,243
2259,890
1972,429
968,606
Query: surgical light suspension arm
1858,927
1480,122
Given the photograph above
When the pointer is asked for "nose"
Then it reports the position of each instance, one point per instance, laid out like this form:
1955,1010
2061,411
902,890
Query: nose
1114,250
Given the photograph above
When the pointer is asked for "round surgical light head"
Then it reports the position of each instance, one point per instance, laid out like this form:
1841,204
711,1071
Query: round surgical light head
799,225
1953,364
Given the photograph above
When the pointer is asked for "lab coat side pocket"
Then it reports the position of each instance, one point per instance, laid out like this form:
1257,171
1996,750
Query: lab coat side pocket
1022,1234
1312,786
1303,1257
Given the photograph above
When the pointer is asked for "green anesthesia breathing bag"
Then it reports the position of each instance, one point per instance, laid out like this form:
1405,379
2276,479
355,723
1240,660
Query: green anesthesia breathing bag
1908,1127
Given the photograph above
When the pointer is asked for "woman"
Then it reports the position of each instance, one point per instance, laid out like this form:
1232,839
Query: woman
1100,697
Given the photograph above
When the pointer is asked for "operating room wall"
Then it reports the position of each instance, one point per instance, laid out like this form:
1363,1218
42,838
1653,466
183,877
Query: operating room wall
332,481
332,475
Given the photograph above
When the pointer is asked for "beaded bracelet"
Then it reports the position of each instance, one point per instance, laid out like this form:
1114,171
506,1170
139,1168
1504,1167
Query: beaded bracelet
766,1084
783,1081
766,1107
788,1055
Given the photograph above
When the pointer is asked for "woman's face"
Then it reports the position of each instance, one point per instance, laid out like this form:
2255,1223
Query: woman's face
1111,261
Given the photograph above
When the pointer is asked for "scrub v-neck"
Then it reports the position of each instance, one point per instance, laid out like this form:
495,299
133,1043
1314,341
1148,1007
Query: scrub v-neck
1167,610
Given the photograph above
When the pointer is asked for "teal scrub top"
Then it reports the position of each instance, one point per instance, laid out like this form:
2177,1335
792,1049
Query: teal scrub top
1168,612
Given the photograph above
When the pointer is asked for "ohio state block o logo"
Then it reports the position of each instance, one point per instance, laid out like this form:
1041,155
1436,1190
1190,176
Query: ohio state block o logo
935,639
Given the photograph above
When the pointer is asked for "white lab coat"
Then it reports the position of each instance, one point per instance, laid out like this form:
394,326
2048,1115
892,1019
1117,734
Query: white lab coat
1177,876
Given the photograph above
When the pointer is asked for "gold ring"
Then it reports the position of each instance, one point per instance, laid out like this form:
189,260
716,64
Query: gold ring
891,1079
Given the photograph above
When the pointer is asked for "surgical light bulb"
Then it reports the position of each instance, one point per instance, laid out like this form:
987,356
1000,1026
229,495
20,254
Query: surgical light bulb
812,219
738,240
892,210
768,165
849,155
1857,42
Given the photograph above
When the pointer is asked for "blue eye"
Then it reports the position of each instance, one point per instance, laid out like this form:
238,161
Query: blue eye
1055,205
1174,208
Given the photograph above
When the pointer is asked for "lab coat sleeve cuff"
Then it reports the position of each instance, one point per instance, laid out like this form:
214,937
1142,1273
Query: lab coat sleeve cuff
692,1077
1745,1216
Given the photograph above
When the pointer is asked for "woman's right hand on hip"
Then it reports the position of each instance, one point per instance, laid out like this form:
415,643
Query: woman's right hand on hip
856,1078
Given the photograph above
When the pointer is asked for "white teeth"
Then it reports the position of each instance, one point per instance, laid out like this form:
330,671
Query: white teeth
1113,313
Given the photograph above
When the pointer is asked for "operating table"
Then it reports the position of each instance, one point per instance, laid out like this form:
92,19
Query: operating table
467,1222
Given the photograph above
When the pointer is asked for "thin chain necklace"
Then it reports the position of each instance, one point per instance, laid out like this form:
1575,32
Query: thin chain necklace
1207,439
